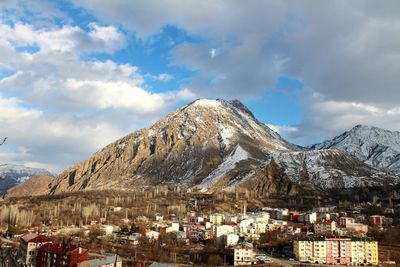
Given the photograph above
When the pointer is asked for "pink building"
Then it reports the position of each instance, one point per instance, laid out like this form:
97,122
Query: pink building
338,250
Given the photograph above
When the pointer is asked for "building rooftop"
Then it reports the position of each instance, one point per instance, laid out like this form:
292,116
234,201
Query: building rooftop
104,260
35,238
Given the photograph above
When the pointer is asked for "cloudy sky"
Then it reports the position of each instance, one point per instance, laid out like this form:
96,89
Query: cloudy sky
77,74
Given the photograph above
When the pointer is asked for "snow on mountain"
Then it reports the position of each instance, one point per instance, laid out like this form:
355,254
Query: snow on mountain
374,146
329,168
214,145
229,163
12,175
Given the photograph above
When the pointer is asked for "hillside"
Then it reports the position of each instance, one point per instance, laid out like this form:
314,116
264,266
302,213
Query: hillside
12,175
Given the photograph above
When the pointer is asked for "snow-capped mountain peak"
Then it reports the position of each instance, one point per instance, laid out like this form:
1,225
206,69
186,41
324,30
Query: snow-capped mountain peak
372,145
12,175
215,145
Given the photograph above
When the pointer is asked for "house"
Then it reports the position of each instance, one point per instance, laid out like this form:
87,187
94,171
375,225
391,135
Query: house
107,260
244,254
60,255
29,244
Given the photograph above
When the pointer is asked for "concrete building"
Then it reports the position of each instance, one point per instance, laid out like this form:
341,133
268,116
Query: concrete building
310,250
217,218
325,227
364,251
221,230
29,244
376,220
357,228
336,250
231,240
244,254
346,220
50,255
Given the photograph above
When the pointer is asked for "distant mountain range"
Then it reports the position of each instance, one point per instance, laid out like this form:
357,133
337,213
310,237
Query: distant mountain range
214,145
374,146
217,145
12,175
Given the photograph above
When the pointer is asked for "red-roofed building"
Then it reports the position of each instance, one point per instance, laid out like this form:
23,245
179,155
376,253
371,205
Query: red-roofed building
60,255
28,247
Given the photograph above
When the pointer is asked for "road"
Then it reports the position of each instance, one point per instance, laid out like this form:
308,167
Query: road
285,263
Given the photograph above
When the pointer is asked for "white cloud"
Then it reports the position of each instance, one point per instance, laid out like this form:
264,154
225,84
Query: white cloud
45,139
284,130
345,51
327,118
213,52
70,107
163,77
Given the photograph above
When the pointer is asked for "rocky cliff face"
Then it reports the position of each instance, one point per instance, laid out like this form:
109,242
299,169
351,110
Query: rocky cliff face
374,146
212,145
12,175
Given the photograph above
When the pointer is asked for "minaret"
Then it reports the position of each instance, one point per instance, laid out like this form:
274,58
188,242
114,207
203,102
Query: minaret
244,209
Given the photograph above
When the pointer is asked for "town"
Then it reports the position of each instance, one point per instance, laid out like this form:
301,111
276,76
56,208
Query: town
177,227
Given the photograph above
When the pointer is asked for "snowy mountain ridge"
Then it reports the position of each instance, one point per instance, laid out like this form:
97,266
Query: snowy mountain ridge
215,145
372,145
12,175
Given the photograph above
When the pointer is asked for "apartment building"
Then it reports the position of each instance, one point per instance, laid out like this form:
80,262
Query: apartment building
336,250
244,254
29,243
325,227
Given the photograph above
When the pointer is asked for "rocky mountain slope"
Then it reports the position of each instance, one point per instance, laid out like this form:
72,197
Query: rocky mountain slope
374,146
215,145
12,175
34,186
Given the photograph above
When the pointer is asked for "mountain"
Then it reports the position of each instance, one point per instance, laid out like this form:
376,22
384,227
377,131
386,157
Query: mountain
12,175
215,145
34,186
374,146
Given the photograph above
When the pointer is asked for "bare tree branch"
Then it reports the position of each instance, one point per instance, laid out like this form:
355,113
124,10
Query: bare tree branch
4,140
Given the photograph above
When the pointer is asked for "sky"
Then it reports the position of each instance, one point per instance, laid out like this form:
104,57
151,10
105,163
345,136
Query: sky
75,75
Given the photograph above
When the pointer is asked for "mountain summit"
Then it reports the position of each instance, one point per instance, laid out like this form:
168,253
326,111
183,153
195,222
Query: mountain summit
372,145
215,145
